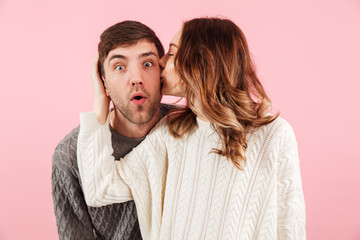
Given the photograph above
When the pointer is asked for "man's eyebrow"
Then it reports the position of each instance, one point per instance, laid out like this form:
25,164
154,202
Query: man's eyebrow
146,54
117,56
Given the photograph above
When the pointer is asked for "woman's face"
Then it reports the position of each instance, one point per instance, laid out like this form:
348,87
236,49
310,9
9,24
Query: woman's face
172,84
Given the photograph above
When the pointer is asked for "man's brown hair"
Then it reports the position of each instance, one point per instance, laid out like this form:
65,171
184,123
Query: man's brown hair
125,33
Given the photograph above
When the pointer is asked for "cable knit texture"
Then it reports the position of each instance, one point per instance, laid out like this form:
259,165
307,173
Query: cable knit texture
184,191
74,219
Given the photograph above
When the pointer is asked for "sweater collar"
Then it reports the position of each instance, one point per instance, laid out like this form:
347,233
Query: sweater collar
202,123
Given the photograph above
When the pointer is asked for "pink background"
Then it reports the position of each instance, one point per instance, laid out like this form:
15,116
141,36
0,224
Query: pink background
307,55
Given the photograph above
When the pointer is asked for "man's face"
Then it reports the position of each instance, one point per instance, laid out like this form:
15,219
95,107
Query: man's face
132,80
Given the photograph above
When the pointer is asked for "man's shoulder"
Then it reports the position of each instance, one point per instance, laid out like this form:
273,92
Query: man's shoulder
68,144
71,136
165,108
64,157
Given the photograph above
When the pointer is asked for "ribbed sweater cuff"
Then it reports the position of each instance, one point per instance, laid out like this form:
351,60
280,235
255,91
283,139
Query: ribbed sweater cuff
89,123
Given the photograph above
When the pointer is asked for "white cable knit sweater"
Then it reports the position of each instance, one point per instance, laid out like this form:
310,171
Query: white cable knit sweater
183,191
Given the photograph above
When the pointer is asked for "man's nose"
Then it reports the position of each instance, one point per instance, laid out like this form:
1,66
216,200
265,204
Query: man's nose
136,82
136,78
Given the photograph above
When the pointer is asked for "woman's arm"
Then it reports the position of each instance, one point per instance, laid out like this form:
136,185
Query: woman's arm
106,181
291,204
103,178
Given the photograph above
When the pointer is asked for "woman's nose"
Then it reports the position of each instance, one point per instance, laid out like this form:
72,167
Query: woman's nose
162,62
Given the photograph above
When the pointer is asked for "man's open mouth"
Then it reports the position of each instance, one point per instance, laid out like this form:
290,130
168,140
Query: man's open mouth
138,98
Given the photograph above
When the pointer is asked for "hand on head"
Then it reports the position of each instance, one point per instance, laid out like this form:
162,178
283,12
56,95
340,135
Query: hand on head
101,98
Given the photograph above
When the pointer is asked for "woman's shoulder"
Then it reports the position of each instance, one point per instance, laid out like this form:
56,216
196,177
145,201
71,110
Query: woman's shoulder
273,138
279,125
279,129
284,127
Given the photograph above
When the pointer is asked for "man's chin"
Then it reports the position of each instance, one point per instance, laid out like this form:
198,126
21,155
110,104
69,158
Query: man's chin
141,114
140,120
138,114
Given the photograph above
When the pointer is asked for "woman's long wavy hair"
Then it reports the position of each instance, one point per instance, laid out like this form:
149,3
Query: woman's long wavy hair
214,62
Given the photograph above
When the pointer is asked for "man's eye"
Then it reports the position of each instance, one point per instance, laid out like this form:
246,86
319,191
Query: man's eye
148,64
119,67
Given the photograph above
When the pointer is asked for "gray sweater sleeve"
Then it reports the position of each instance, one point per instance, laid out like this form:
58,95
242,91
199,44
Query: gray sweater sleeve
74,219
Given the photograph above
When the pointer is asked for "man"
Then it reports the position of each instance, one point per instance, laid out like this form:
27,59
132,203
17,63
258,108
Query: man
129,54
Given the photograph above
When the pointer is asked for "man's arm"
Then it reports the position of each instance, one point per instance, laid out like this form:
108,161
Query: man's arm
72,217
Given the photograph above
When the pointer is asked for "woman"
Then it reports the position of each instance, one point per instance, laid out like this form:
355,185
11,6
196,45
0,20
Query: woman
222,167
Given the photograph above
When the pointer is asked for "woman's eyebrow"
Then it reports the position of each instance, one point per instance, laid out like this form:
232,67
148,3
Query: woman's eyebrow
173,45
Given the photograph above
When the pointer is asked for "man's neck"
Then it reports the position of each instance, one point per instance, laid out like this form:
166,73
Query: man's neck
128,129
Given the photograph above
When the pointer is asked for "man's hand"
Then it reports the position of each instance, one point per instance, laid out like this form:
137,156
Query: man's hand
101,100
